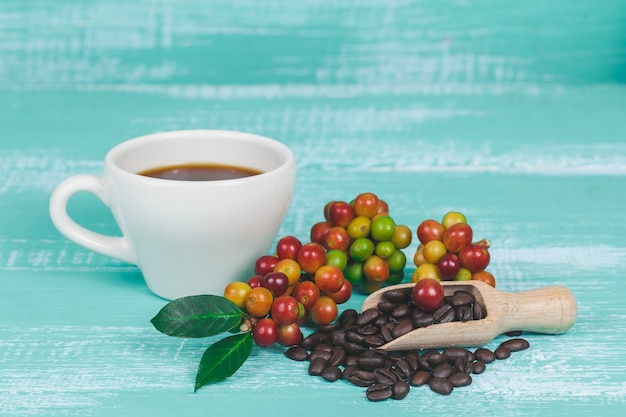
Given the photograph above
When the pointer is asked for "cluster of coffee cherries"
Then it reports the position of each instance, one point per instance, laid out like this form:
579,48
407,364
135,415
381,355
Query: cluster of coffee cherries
364,241
288,288
447,251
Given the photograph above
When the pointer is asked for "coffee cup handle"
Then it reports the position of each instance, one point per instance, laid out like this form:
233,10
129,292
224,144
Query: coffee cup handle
115,247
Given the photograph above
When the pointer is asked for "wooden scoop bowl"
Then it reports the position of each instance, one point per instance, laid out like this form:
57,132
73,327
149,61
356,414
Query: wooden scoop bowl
550,310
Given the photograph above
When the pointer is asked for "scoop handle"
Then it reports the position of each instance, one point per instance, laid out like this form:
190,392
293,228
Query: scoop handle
550,310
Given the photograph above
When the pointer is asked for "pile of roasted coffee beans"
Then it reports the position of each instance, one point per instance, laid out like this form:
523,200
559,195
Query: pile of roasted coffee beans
348,348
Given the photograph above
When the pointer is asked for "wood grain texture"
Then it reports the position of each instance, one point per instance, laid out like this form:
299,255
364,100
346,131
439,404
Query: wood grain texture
510,112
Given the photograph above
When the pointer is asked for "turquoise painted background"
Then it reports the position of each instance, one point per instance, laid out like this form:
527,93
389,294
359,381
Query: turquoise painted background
512,112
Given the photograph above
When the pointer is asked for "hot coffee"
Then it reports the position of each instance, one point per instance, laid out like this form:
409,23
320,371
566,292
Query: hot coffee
199,172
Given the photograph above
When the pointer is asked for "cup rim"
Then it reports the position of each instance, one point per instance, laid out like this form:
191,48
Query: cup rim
278,147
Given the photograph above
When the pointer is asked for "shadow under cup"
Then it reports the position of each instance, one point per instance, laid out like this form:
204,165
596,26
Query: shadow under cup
194,237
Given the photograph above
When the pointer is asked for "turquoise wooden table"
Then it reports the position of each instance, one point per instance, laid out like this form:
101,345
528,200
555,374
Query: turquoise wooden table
511,112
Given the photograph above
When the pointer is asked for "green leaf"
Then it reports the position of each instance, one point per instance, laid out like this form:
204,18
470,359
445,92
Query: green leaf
197,316
223,358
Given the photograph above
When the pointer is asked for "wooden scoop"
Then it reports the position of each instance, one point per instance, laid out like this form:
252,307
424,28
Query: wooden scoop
550,310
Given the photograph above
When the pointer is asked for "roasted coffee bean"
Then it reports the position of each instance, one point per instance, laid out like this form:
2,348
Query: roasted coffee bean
348,317
478,367
479,311
337,337
399,390
337,356
423,321
319,353
464,313
385,376
402,310
350,360
460,379
463,365
297,353
435,358
397,296
403,369
457,352
374,341
330,327
420,378
369,330
502,353
348,370
443,371
403,327
353,336
353,348
461,298
448,317
441,312
317,365
515,345
386,307
381,320
369,363
367,317
361,378
417,312
386,334
323,346
379,392
411,357
484,355
440,385
514,333
331,373
311,341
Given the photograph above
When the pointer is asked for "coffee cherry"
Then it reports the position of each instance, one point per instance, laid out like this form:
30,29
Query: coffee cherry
288,247
426,270
307,293
337,238
259,302
341,214
290,268
237,292
265,332
361,249
457,237
429,230
383,228
452,217
402,237
318,232
311,256
337,258
289,334
276,282
329,278
265,264
376,269
285,310
474,257
434,250
449,265
428,294
359,227
344,293
484,276
324,311
366,204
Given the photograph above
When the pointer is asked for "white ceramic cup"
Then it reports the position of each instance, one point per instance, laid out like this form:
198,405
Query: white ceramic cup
186,237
